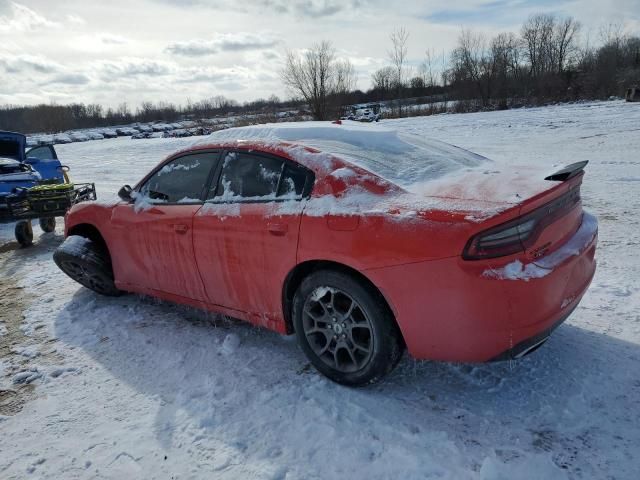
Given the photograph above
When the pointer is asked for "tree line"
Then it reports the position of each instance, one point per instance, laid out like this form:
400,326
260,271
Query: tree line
547,60
52,118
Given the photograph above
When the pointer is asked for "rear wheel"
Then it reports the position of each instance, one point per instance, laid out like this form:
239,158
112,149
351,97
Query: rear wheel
48,224
24,233
87,263
345,329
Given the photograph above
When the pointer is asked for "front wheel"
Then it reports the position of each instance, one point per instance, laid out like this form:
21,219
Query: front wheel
87,263
345,329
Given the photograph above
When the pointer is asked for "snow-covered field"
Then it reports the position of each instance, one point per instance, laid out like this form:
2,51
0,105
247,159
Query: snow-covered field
94,387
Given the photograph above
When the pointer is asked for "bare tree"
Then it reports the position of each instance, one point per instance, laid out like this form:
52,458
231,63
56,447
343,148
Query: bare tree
398,57
537,33
345,77
472,65
384,80
317,77
611,33
565,41
426,69
505,63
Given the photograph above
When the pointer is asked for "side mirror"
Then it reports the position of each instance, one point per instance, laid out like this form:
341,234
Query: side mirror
125,193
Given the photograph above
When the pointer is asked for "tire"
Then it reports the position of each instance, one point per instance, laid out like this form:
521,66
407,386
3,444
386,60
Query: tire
345,329
24,233
88,264
47,224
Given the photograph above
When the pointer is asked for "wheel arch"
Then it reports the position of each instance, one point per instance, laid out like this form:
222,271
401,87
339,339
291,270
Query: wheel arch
91,232
302,270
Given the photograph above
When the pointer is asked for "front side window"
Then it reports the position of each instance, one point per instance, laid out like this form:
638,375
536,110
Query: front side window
181,180
247,176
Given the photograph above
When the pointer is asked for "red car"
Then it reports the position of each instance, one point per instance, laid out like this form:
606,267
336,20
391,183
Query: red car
359,239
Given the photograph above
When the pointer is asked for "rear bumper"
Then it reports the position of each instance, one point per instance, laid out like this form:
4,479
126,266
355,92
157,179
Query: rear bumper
531,344
454,310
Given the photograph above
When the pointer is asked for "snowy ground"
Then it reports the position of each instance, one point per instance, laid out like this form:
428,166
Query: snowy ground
94,387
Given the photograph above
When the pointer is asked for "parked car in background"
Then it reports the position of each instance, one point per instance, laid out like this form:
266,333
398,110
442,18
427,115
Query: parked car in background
126,131
108,133
93,135
144,128
161,127
62,138
362,241
143,135
79,137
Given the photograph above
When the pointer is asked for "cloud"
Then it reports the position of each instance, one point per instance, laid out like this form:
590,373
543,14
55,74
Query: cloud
70,79
207,76
493,12
21,18
73,18
24,64
132,67
110,39
226,42
314,8
304,8
99,40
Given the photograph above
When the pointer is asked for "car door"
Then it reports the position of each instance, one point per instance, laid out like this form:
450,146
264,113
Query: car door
246,234
153,236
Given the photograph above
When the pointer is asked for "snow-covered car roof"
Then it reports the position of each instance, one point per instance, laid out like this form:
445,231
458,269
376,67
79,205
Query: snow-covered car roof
399,157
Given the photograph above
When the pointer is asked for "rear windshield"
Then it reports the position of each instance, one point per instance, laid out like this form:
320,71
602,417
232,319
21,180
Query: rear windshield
9,148
402,159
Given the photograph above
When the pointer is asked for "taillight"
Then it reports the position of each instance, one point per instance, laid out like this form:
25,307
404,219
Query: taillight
500,241
517,235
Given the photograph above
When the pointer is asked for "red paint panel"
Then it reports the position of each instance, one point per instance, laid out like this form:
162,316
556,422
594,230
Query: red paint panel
244,253
154,248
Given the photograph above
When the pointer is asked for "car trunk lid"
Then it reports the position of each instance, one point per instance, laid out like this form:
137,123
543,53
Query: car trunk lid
526,207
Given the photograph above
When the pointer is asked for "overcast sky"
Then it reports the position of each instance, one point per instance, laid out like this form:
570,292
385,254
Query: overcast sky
122,50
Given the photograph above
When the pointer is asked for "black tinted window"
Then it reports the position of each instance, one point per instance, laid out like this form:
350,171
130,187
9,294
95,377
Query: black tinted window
250,176
292,182
180,181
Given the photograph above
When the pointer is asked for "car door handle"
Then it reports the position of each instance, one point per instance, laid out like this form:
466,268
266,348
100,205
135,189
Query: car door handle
278,228
181,228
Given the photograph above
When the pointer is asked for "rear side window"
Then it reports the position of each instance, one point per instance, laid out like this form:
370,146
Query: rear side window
181,180
247,176
293,182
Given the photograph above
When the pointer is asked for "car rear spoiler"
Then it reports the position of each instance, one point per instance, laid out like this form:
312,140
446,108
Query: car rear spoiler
568,172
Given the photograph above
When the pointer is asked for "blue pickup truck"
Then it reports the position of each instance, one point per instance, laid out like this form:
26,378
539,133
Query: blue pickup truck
34,184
